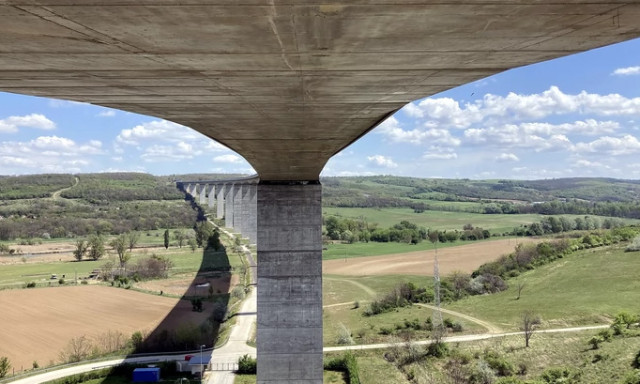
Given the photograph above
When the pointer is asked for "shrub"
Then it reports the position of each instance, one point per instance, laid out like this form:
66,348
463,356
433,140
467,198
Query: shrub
5,365
560,375
31,284
237,292
501,365
437,350
634,245
61,281
344,335
632,377
481,373
346,363
636,361
247,365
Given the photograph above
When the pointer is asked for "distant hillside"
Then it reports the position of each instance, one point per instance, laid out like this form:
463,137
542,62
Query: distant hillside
597,196
43,206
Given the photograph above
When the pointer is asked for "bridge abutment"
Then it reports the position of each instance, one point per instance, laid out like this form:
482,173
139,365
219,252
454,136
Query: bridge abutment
289,329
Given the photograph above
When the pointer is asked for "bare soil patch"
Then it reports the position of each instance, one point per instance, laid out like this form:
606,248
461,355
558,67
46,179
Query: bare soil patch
465,258
37,324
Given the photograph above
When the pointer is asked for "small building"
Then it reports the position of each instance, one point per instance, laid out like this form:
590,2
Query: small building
199,364
146,375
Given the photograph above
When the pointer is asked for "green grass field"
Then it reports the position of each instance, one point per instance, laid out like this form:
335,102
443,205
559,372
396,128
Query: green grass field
441,220
184,260
586,287
342,250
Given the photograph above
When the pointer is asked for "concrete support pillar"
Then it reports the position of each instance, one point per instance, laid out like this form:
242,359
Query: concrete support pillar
203,194
289,336
252,225
237,207
212,196
189,190
228,205
220,202
246,203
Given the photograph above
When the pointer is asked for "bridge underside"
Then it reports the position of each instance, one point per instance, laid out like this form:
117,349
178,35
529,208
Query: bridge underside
287,84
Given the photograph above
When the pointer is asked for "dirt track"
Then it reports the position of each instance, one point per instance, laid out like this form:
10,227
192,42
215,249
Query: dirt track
464,258
36,324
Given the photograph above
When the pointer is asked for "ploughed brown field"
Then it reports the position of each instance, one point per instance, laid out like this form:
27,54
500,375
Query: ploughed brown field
36,324
465,258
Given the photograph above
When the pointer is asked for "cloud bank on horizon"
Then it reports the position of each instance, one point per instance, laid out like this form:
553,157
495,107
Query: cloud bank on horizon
570,117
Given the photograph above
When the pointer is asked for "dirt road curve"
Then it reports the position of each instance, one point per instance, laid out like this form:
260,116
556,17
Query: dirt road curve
464,258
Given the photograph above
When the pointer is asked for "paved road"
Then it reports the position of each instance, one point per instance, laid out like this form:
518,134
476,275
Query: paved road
64,372
236,346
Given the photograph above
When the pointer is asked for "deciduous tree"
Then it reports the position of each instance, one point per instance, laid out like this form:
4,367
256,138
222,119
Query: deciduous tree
5,365
96,247
529,324
81,249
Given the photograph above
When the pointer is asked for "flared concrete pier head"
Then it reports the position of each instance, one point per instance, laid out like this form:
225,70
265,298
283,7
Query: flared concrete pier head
289,331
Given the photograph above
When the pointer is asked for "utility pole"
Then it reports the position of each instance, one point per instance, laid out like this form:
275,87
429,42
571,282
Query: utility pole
437,323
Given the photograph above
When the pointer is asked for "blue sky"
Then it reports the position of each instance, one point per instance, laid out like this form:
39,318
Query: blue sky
569,117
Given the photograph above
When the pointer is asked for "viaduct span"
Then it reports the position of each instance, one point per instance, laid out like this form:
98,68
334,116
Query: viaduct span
287,84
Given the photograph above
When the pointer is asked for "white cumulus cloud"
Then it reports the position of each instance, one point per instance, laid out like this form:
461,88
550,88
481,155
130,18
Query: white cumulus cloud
614,146
382,161
506,157
35,120
227,159
627,71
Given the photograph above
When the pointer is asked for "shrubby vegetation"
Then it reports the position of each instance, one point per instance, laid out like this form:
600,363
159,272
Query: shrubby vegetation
102,188
108,203
358,230
33,186
346,363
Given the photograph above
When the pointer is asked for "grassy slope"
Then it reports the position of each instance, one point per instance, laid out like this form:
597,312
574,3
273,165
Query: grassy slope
584,288
546,351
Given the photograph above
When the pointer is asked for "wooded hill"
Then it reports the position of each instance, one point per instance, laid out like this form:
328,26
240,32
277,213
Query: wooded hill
42,206
595,196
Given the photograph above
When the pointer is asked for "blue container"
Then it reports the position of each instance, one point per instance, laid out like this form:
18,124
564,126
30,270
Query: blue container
146,375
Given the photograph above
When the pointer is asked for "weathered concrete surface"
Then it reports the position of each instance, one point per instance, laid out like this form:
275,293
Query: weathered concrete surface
286,84
228,205
289,331
220,202
211,196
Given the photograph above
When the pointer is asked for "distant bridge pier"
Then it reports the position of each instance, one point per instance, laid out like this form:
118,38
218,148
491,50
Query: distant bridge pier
220,201
237,206
252,225
211,196
228,212
202,194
